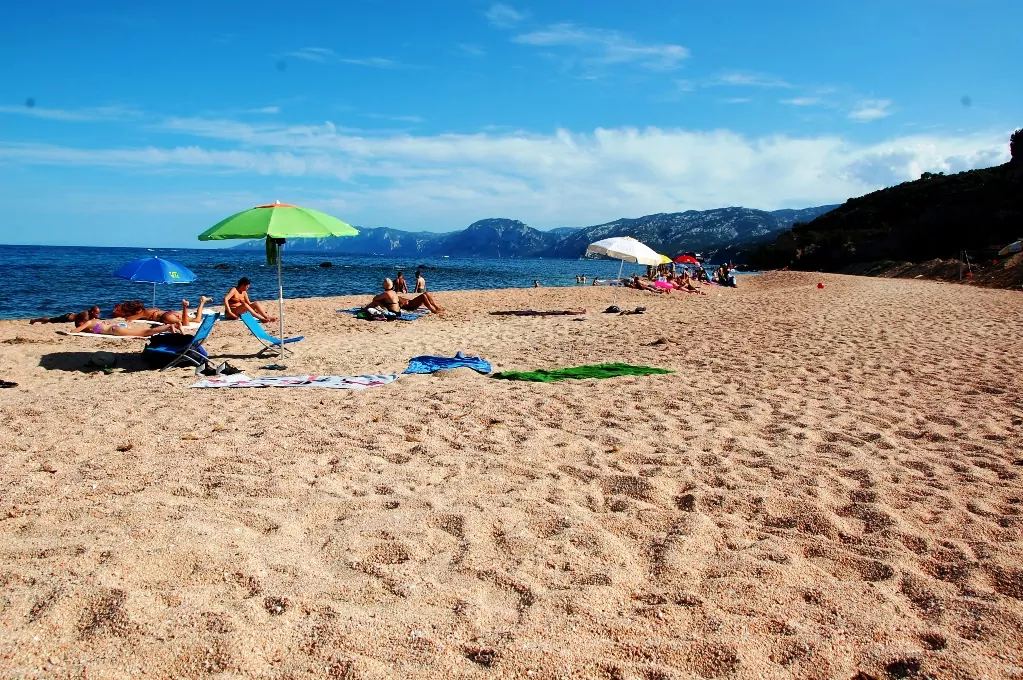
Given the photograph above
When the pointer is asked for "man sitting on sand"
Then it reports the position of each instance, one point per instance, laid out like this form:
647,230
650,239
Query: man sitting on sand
392,302
237,302
92,313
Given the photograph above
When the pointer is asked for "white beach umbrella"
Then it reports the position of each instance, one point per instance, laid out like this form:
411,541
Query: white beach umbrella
626,249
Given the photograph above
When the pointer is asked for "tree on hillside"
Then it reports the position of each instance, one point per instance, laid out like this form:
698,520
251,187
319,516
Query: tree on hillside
1015,142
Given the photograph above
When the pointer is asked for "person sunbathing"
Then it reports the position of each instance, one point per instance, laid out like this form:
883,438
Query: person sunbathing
83,324
185,318
237,302
394,303
636,283
134,310
92,313
685,283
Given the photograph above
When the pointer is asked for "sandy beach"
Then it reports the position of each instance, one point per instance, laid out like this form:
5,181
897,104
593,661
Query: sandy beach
829,486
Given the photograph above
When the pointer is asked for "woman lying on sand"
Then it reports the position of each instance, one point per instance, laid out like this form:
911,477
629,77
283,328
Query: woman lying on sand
636,283
392,302
185,318
83,324
134,310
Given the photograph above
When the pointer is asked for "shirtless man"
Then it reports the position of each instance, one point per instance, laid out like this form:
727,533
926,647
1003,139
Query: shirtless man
420,282
392,302
399,284
92,313
237,302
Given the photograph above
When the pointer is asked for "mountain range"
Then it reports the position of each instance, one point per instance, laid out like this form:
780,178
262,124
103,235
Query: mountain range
718,233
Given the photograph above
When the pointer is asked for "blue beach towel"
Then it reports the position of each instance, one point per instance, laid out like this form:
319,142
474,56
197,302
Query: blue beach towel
428,364
388,316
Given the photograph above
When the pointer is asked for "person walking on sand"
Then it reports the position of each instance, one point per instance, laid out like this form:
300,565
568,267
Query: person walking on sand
400,286
420,282
237,302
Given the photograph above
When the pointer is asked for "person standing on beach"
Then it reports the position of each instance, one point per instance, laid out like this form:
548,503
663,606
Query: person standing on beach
420,282
400,286
237,302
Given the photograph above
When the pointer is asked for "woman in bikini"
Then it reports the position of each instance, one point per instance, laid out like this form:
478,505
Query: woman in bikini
134,310
83,324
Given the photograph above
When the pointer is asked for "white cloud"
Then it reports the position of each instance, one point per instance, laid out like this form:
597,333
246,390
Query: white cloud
870,109
738,100
564,178
504,16
471,50
599,47
747,79
317,54
399,119
325,55
92,114
271,110
801,101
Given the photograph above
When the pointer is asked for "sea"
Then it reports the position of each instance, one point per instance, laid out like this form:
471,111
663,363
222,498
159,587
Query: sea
51,280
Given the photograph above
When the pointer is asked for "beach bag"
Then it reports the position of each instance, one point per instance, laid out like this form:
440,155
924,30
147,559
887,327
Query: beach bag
171,340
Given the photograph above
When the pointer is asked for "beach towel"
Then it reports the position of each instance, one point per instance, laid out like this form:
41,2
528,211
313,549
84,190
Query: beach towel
581,372
377,314
428,364
532,312
332,382
105,337
188,326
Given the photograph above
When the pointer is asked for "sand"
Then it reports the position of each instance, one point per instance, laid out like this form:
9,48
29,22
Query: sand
828,487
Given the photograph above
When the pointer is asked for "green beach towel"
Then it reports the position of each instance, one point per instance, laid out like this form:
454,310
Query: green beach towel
581,372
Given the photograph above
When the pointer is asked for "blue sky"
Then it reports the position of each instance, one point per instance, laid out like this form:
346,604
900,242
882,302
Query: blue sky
127,123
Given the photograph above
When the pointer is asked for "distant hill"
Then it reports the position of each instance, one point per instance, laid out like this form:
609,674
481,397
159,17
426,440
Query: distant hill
704,231
709,231
935,216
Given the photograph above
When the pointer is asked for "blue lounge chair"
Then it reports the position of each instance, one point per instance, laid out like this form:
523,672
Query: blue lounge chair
268,341
191,354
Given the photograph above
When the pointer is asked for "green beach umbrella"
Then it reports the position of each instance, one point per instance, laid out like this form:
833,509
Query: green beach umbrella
277,222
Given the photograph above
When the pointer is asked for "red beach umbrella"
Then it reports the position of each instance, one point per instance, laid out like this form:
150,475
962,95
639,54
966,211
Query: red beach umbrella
686,259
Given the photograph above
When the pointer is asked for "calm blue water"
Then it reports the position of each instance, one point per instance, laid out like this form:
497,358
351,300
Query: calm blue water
46,280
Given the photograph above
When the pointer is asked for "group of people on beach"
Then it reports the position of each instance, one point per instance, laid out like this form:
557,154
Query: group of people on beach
236,303
666,278
390,300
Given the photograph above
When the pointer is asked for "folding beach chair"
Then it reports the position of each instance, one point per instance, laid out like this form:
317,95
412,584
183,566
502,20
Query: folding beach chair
268,341
191,354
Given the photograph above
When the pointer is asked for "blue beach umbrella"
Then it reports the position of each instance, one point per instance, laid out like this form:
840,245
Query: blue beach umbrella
155,270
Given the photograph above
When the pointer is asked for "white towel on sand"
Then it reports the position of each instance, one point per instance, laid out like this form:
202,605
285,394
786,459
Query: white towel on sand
333,382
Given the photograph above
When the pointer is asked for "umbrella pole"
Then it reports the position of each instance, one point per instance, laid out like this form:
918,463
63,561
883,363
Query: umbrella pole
280,301
279,366
154,294
614,293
